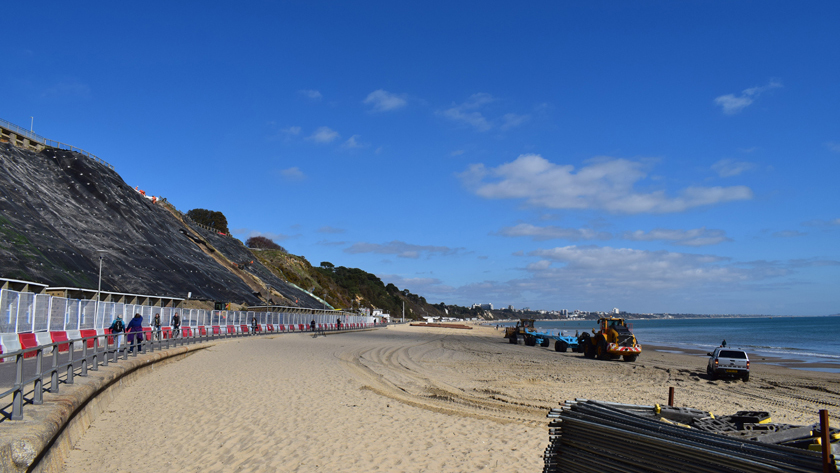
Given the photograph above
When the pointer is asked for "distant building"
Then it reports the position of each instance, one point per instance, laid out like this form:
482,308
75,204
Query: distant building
487,306
510,307
615,311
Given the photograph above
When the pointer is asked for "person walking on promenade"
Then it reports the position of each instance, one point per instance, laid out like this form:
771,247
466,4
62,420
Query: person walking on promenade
253,325
135,332
176,325
156,324
118,327
312,325
338,323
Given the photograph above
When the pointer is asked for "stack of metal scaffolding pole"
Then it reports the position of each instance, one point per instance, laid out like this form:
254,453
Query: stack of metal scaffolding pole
593,436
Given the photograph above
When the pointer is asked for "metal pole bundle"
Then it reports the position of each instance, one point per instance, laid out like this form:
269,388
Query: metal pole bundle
593,436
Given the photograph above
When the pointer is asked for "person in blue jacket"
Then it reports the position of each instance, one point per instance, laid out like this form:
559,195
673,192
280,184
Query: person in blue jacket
135,332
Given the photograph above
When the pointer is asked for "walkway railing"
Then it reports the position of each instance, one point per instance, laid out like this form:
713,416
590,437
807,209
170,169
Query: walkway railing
96,351
47,142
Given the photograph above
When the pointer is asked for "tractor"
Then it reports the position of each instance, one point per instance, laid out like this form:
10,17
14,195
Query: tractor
612,340
525,329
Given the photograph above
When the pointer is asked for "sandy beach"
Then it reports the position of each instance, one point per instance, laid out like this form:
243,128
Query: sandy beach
399,399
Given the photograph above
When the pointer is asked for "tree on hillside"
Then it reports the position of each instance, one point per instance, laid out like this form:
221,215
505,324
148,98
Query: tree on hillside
327,265
264,243
210,218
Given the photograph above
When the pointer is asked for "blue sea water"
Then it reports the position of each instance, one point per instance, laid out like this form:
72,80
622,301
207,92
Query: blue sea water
810,339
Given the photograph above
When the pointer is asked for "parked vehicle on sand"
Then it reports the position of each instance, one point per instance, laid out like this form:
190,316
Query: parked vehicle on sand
728,362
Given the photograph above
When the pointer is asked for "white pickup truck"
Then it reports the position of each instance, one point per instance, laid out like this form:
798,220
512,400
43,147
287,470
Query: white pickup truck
728,362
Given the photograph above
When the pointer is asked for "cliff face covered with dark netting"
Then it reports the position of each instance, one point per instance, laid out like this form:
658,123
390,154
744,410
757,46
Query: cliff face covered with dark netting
57,208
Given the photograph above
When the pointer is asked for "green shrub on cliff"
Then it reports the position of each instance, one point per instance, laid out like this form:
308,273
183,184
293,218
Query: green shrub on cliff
210,218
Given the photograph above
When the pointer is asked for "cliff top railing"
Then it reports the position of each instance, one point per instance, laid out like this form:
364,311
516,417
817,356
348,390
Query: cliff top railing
48,142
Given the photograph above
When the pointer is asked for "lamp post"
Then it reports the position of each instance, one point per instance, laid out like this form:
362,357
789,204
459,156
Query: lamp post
101,254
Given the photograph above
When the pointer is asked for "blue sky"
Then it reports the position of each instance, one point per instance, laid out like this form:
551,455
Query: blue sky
651,156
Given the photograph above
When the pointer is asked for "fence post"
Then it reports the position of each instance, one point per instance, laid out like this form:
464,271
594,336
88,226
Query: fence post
825,440
84,358
70,369
38,395
17,402
54,371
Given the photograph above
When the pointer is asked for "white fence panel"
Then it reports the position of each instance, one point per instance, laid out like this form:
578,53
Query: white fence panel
41,313
58,314
9,308
87,315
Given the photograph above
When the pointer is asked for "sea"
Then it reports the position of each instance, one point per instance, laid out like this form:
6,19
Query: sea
809,339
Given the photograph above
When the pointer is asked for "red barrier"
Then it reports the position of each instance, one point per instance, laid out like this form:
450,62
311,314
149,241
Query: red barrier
202,331
231,329
88,333
217,330
28,340
62,337
187,331
270,327
244,328
291,328
166,332
281,327
147,333
302,327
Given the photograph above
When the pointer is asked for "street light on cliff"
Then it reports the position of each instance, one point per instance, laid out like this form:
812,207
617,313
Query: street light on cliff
101,254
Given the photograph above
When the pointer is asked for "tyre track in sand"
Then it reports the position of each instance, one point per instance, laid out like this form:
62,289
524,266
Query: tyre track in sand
397,371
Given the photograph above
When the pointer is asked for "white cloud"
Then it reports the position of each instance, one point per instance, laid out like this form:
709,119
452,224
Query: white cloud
729,168
467,112
629,268
323,134
821,223
292,174
329,229
67,89
695,237
457,152
540,265
312,94
415,285
605,183
331,243
833,146
512,120
351,143
553,232
384,101
732,104
292,130
789,234
254,233
401,249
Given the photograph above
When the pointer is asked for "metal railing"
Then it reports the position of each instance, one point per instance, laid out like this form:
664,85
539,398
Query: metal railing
50,143
22,131
100,350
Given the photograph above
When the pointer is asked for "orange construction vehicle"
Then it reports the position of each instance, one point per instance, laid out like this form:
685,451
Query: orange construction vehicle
612,340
